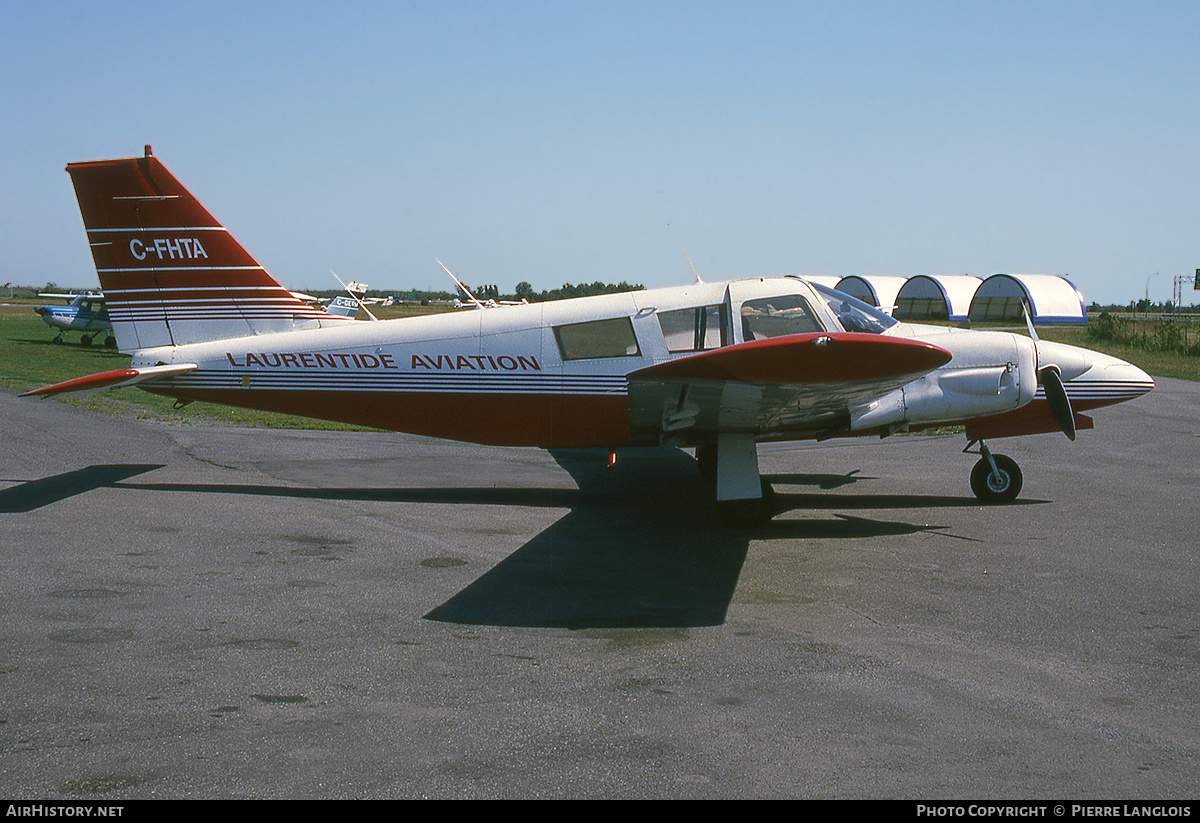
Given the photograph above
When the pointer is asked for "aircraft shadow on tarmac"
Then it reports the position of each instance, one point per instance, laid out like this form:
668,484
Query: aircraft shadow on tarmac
646,548
34,494
642,545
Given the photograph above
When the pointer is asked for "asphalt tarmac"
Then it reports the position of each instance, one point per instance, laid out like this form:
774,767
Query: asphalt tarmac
196,612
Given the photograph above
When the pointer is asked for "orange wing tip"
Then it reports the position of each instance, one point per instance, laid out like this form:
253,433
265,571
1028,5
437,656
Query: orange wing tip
805,359
110,380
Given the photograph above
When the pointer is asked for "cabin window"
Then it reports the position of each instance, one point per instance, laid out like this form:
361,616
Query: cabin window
777,316
698,329
597,338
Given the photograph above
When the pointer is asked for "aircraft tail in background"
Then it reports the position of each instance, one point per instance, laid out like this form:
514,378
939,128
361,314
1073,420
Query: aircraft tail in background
171,274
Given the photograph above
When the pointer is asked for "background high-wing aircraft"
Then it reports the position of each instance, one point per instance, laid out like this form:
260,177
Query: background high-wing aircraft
83,313
86,313
718,366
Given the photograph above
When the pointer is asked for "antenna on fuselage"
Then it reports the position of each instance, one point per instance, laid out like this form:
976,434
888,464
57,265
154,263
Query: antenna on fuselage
699,279
354,296
461,287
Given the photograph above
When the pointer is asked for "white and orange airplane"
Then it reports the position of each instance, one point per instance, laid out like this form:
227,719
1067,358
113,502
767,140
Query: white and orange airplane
716,366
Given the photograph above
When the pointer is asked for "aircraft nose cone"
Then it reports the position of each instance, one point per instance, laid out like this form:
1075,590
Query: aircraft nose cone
1132,379
1110,381
1092,378
42,310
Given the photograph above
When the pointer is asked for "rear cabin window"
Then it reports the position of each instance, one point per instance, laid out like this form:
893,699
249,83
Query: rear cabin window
777,316
698,329
597,338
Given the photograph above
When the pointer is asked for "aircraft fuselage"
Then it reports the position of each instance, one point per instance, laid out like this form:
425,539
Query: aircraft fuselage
557,374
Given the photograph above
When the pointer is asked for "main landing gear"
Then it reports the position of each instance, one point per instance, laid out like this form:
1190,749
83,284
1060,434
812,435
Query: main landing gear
110,342
996,478
744,499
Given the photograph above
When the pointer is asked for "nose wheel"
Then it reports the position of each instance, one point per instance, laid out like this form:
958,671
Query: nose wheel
996,478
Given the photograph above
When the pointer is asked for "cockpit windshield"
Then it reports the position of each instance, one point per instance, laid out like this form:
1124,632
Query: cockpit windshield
854,314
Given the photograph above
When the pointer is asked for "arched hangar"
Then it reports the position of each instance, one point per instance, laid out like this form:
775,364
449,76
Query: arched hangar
936,297
1051,299
874,290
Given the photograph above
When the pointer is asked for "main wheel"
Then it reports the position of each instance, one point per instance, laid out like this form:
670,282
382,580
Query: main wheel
1002,487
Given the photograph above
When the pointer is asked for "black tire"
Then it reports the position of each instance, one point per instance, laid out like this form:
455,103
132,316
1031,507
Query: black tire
1002,489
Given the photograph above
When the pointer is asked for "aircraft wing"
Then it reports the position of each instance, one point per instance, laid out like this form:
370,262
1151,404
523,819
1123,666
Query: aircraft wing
112,379
94,296
776,386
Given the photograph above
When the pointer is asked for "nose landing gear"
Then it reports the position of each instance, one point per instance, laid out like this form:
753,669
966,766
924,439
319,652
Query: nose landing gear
996,478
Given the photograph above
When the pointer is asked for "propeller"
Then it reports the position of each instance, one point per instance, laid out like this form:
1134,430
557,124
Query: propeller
1051,382
1056,396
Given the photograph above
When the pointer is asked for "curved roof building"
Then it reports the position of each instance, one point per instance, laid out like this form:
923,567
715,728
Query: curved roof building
936,297
1051,299
875,290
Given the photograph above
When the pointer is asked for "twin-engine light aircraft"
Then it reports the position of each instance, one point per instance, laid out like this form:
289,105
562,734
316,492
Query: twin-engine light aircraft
718,366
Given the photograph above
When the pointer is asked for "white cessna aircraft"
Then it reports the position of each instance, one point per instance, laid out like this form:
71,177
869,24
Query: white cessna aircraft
718,366
83,313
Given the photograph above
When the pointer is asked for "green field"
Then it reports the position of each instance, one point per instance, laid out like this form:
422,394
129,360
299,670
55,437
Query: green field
29,359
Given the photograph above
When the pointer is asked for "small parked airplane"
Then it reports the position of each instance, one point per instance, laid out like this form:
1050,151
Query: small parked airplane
718,366
83,313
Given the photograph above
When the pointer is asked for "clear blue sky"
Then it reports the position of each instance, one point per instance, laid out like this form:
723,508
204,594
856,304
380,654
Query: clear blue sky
569,141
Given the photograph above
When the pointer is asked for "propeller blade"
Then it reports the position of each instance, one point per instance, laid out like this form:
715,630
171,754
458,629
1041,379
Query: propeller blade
1056,396
1050,380
1028,321
1032,336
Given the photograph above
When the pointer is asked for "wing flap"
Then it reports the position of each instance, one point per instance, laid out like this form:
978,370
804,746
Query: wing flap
111,379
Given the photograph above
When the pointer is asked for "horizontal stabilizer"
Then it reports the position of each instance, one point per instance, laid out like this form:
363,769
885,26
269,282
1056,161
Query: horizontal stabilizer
112,379
805,359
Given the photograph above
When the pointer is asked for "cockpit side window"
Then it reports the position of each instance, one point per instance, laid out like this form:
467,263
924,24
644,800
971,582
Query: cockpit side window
852,313
696,329
777,316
